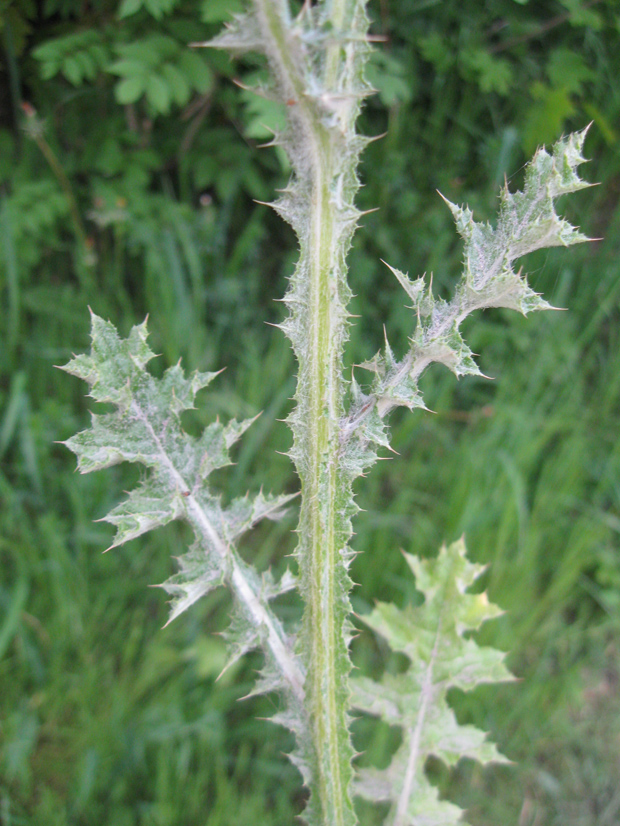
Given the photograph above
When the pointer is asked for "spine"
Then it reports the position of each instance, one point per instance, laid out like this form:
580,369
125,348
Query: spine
317,63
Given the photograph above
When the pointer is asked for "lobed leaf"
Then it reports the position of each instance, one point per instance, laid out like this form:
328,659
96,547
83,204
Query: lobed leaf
146,427
527,221
441,657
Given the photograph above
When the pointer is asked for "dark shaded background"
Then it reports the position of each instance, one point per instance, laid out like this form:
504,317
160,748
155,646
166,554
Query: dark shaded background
129,167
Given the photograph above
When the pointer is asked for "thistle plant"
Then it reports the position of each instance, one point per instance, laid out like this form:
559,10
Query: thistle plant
316,60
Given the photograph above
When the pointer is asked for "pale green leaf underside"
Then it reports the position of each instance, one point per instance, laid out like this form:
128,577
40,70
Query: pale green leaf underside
441,657
527,221
146,428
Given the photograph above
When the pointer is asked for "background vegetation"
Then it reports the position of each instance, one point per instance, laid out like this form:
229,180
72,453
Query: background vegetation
129,170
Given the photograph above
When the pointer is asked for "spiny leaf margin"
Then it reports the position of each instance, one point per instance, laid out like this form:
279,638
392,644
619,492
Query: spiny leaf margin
146,428
433,637
527,221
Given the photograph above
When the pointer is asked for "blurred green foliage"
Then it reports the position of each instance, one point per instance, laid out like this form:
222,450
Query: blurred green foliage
129,170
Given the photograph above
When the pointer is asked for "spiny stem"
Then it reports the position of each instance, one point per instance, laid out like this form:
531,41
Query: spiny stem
320,286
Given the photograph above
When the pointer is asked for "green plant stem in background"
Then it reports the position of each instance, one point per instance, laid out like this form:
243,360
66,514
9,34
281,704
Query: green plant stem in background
35,129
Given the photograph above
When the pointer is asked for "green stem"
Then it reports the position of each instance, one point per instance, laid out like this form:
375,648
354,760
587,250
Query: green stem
65,183
324,218
321,521
34,128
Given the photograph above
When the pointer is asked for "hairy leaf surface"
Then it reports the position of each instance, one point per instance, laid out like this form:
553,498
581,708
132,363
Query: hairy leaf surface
527,221
434,638
146,428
